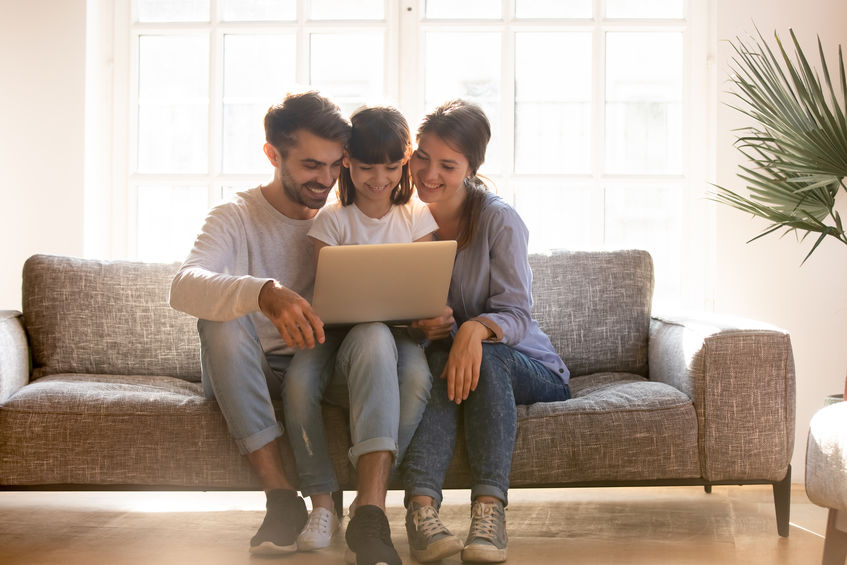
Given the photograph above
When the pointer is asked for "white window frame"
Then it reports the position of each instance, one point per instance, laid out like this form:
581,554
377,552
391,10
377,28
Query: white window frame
404,77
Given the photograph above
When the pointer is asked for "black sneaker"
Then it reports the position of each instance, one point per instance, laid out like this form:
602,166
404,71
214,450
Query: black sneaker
286,515
369,538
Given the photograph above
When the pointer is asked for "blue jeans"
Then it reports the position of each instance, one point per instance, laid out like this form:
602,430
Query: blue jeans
386,402
507,378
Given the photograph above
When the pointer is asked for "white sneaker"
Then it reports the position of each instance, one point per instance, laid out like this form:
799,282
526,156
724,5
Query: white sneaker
318,531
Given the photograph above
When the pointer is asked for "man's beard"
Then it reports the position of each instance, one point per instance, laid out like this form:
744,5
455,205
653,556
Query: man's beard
299,193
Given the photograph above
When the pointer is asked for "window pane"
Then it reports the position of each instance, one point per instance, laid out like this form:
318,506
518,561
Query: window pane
168,219
542,205
649,217
259,10
553,8
347,10
173,10
644,102
450,9
357,77
473,74
553,110
644,9
250,87
173,84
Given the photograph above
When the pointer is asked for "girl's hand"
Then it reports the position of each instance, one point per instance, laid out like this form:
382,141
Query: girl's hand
292,315
436,328
464,360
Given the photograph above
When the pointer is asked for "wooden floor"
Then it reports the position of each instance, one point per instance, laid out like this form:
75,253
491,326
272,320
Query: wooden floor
678,525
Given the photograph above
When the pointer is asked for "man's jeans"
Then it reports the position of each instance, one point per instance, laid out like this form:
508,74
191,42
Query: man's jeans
244,380
389,384
507,378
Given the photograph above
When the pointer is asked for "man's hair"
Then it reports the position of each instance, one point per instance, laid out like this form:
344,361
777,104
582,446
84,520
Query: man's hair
380,136
309,111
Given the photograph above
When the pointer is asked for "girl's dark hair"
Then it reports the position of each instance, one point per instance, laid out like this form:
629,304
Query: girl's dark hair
379,135
309,111
465,128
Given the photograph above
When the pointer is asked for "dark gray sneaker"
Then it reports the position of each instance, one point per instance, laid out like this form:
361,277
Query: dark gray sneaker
429,539
487,538
285,517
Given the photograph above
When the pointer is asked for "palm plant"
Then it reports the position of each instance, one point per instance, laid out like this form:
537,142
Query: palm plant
797,151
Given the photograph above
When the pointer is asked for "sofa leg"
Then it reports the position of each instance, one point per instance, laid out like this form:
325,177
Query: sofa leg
338,501
782,503
835,544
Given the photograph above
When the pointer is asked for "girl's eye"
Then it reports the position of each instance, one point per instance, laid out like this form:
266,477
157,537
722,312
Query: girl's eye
448,168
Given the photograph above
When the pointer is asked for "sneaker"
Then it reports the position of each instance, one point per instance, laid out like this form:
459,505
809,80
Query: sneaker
369,538
320,527
487,538
284,519
429,538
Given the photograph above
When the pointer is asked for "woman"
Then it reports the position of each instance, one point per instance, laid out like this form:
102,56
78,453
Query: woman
498,356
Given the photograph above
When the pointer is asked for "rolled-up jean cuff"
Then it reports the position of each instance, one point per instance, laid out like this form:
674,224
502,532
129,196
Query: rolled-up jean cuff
258,440
370,446
435,495
489,490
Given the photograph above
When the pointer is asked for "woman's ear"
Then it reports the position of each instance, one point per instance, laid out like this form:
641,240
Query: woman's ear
408,154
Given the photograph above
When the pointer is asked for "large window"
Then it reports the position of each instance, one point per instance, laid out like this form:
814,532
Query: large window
595,106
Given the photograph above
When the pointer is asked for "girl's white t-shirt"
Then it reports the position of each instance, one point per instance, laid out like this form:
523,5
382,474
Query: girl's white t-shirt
336,224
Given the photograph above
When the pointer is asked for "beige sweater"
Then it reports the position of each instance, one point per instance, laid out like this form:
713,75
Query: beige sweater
243,244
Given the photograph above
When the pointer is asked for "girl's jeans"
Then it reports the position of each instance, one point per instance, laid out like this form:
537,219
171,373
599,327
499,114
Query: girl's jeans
507,378
244,380
386,403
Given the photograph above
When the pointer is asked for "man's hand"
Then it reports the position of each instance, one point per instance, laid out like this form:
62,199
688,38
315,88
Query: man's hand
292,315
464,360
438,327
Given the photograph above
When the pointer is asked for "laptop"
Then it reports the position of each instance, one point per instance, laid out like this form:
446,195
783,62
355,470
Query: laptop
387,282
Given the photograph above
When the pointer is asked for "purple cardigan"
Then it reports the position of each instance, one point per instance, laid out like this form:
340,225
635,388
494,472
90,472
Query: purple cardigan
492,282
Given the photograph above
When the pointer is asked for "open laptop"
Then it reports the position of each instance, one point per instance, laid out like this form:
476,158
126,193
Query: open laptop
389,282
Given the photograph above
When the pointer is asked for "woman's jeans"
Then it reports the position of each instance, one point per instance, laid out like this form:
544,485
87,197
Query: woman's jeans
507,378
244,380
385,407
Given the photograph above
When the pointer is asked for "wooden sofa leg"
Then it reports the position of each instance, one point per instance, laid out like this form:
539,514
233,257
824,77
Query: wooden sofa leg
338,501
782,503
835,544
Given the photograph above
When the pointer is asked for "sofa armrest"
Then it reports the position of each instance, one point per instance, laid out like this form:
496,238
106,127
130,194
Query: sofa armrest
14,354
739,374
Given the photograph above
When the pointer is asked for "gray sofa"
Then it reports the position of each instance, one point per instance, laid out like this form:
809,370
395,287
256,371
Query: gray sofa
99,388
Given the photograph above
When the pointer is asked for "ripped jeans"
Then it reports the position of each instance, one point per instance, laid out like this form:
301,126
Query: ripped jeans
387,388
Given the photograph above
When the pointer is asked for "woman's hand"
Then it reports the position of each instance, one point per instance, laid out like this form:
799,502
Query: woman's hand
464,360
292,315
436,328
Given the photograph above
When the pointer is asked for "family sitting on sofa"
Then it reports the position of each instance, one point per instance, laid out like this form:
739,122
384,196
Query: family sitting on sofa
249,281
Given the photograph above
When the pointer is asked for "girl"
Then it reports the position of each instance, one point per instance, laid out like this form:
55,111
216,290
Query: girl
498,356
375,206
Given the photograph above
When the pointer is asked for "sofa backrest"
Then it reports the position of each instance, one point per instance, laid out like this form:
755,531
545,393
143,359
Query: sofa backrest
595,306
113,317
106,317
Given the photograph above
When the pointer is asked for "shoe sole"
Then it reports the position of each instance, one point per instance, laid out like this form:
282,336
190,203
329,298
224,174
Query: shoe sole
483,554
440,549
350,558
270,548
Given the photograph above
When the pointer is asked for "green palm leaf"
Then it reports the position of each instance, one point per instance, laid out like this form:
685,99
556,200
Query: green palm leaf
796,152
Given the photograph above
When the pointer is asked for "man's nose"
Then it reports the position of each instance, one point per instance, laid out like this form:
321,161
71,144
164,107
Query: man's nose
325,176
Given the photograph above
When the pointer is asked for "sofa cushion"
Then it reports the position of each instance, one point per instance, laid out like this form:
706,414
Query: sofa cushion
595,306
107,317
617,427
128,429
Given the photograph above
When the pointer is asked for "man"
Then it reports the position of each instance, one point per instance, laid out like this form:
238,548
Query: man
249,279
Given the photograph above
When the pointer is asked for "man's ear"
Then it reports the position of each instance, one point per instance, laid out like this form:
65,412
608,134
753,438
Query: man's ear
408,154
345,158
272,154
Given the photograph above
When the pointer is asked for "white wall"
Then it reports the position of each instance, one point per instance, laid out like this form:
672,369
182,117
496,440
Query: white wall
764,279
42,72
42,97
